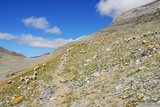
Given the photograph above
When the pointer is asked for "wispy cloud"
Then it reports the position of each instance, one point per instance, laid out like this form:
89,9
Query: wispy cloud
115,7
35,41
6,36
41,23
42,42
55,29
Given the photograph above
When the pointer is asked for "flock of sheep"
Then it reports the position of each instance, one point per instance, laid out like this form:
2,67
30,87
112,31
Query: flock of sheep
27,79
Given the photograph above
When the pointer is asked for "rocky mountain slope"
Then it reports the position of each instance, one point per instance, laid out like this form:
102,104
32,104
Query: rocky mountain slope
118,66
141,14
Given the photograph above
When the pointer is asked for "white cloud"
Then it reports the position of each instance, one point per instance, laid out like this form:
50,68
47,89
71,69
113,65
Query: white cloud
115,7
6,36
41,23
55,29
42,42
37,41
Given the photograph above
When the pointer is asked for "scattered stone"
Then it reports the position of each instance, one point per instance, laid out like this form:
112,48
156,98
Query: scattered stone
146,41
71,68
155,98
17,100
118,87
140,96
142,68
63,95
74,105
145,98
157,36
150,47
46,92
134,87
108,49
1,103
95,74
102,77
138,62
88,60
144,53
114,63
125,96
148,104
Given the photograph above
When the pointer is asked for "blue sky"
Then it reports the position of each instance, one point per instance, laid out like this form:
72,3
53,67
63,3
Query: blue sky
35,27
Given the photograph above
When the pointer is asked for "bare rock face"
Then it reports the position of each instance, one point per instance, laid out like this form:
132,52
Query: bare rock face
141,14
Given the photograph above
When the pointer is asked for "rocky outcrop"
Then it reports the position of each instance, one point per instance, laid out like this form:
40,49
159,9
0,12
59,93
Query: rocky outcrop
141,14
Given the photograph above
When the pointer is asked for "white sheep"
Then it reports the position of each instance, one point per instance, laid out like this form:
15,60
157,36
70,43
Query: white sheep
22,79
44,65
33,77
27,81
62,58
42,69
35,73
36,68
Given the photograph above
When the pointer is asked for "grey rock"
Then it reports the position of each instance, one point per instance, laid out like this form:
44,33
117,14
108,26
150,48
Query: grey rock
118,87
155,98
125,96
142,68
145,98
148,104
88,60
1,103
138,62
134,87
46,92
95,74
157,36
74,104
108,49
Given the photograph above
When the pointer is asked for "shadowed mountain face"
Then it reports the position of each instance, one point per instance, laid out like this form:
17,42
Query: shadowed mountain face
117,66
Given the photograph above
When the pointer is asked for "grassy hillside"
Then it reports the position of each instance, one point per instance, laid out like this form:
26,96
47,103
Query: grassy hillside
115,67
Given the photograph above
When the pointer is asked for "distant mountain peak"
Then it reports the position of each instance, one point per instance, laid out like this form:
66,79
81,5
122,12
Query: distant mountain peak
8,52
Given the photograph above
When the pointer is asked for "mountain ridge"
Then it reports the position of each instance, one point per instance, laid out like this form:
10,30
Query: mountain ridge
138,15
4,52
